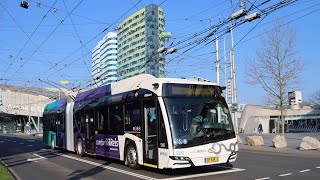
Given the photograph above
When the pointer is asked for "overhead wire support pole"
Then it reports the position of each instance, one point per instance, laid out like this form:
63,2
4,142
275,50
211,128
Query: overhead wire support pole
225,65
217,61
233,100
234,86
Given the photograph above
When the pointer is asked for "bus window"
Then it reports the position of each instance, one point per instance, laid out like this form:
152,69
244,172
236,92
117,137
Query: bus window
101,115
116,120
53,123
133,117
82,123
152,121
77,121
62,121
163,143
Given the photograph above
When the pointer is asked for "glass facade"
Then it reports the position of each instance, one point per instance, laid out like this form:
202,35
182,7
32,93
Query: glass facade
138,42
104,61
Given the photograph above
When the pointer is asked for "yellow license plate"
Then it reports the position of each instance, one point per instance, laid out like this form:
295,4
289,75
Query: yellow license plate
212,159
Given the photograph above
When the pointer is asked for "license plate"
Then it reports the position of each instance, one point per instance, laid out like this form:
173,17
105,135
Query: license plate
212,159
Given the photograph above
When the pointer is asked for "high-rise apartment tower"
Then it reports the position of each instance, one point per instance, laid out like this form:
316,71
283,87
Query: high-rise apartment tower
138,42
104,60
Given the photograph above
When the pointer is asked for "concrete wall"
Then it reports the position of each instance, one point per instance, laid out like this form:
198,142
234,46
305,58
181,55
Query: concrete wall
18,103
253,122
251,112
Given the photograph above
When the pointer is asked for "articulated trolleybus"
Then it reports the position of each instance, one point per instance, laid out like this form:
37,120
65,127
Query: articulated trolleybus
143,120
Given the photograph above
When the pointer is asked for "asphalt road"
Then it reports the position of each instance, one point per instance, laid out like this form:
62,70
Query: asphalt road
29,159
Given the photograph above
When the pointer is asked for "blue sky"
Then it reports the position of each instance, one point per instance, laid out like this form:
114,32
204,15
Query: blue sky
54,51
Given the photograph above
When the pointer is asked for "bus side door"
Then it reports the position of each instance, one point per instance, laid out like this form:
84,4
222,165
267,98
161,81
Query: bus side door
90,132
150,138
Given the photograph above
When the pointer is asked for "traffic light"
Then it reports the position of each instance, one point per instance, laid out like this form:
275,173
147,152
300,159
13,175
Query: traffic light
24,4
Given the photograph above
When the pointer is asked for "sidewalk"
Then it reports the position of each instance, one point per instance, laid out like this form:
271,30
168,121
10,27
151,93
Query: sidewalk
293,144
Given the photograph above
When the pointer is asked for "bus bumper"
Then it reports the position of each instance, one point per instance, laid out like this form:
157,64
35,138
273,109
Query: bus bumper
203,161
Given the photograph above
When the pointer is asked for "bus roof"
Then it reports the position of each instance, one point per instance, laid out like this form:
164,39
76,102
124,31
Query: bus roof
142,81
93,93
147,81
55,106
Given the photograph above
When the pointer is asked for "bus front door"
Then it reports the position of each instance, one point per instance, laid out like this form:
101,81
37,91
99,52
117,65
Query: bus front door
90,134
150,134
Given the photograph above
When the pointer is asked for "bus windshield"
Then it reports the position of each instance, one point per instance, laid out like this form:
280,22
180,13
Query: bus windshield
198,120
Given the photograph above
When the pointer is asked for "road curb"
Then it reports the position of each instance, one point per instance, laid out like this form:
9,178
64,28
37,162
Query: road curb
12,172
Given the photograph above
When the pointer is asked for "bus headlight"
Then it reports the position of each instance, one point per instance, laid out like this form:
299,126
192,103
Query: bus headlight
180,158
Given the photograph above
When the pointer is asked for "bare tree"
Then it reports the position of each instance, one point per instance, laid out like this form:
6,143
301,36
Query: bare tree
276,66
315,98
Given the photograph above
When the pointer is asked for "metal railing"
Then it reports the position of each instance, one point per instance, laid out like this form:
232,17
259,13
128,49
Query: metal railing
303,128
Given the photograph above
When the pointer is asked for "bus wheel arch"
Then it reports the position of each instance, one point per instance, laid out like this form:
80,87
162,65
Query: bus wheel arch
131,154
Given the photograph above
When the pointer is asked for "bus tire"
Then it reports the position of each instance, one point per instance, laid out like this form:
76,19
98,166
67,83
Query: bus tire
79,147
132,157
52,143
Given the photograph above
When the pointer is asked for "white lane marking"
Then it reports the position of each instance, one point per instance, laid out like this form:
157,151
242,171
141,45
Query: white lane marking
107,167
205,174
36,159
30,140
288,174
306,170
30,145
14,141
263,178
1,141
39,156
318,167
43,149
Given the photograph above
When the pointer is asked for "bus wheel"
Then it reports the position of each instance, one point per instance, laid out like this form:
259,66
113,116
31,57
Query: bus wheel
52,142
79,147
132,157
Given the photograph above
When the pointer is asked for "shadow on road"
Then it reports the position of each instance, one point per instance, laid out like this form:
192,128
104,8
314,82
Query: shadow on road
82,174
13,145
16,150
